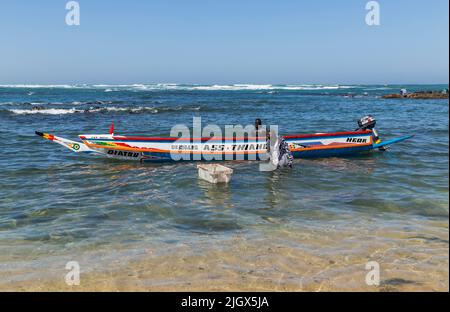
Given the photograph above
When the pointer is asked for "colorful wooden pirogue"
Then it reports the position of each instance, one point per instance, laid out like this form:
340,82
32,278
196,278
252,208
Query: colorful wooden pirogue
155,149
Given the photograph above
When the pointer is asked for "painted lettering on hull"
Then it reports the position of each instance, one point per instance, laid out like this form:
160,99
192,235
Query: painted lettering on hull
220,147
123,154
356,140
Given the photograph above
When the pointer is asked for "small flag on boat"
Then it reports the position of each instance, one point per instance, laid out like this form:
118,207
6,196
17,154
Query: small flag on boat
111,128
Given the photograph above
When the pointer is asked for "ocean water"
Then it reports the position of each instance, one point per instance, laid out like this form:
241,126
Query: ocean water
56,206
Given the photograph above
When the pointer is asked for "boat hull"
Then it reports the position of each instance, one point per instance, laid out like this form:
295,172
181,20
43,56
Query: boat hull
147,149
207,149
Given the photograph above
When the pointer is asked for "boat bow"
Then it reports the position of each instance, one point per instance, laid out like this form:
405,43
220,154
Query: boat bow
74,146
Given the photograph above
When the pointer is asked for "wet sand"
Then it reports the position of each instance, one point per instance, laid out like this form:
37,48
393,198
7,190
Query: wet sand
281,259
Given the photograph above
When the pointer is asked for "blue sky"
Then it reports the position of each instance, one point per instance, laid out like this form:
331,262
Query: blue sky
212,41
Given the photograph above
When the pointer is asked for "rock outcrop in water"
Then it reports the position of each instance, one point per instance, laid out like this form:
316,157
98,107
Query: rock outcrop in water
418,95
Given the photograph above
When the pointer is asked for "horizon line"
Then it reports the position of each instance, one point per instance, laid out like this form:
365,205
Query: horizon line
214,83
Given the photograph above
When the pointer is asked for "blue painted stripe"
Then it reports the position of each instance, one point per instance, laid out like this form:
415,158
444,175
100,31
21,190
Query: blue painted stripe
190,157
329,152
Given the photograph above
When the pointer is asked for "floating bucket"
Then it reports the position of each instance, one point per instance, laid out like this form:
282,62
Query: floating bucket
214,173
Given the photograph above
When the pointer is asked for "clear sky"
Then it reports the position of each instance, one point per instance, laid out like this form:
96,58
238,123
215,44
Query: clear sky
224,41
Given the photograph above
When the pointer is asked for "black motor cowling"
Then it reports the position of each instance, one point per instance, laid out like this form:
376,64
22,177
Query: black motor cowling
366,123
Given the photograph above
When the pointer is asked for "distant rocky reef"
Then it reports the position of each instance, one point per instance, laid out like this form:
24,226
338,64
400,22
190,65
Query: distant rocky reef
418,95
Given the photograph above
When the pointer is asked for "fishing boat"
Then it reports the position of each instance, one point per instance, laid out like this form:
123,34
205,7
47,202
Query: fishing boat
163,149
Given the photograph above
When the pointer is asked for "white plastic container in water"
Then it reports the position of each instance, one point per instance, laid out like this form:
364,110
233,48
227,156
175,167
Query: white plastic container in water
215,173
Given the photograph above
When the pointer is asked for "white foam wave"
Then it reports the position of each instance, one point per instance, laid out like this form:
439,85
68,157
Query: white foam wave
267,87
64,111
195,87
41,86
123,109
233,87
48,111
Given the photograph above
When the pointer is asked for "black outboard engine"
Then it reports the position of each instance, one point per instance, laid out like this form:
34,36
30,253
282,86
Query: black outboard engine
368,123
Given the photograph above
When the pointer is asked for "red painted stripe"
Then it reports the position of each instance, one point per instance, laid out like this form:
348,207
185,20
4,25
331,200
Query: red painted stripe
262,139
314,135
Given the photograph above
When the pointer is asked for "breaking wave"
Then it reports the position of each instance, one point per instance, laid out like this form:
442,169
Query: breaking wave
42,105
42,86
183,87
73,110
47,111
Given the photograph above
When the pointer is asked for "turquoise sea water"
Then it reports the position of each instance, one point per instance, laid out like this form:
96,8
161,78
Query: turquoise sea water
54,202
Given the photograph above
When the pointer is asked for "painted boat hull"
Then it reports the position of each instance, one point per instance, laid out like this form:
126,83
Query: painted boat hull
147,149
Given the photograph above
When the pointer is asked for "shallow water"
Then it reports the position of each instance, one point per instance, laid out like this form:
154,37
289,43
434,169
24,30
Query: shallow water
56,206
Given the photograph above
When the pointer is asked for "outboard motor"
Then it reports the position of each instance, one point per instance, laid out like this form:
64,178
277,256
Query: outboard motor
368,123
